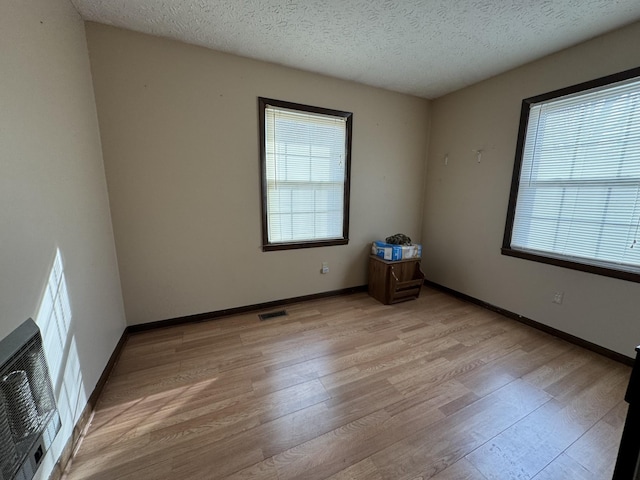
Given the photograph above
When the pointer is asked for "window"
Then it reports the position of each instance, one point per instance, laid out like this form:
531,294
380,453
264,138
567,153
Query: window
306,158
575,194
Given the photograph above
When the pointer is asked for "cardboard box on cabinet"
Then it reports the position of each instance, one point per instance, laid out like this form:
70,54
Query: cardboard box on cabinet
388,251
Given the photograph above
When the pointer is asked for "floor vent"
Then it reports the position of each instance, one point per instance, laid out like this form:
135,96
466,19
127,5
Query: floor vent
267,316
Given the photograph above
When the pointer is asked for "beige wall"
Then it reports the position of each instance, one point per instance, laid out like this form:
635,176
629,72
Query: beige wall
53,203
466,201
179,127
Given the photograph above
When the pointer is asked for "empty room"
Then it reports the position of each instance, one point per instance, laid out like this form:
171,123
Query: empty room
319,240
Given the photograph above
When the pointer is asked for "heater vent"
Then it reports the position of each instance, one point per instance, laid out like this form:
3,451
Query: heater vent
267,316
29,420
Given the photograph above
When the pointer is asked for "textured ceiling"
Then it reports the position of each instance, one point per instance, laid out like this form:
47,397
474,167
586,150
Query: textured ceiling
422,47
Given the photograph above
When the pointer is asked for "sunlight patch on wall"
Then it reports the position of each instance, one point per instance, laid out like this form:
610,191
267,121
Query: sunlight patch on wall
54,318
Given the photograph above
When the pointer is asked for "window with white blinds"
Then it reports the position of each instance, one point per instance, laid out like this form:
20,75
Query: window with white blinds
305,175
577,177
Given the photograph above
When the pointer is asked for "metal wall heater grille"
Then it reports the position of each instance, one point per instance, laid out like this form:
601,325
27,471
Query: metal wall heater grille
29,420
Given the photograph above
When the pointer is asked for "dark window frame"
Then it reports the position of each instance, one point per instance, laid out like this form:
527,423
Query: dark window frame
348,116
515,180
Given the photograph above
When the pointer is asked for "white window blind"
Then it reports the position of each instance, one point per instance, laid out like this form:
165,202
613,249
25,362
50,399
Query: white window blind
305,156
579,187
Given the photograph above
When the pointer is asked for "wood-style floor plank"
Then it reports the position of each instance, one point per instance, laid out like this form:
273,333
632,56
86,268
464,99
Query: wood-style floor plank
461,470
346,388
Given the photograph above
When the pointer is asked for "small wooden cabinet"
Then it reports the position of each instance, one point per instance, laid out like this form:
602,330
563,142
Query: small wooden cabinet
392,282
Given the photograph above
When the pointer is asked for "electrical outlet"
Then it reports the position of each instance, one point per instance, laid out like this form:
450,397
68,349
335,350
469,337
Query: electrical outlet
325,268
557,297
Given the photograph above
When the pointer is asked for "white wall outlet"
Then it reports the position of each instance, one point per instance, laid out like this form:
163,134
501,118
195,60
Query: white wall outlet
557,297
325,268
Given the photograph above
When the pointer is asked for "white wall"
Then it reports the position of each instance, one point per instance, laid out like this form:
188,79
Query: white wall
179,127
466,201
53,203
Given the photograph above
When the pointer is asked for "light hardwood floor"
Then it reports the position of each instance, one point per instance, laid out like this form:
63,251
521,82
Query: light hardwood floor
347,388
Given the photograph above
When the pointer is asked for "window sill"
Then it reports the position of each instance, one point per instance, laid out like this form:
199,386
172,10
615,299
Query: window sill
583,267
272,247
